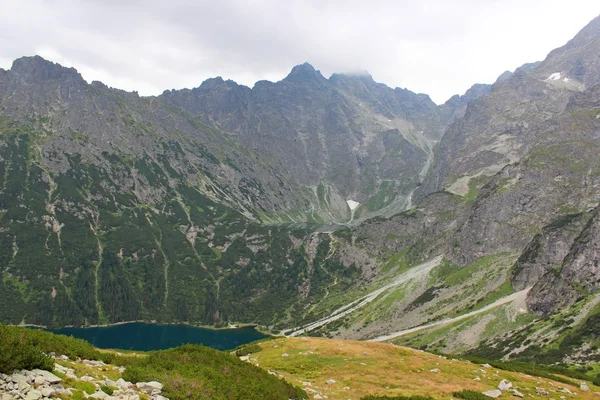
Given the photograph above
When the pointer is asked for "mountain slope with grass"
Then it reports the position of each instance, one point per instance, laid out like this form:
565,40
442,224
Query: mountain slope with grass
330,206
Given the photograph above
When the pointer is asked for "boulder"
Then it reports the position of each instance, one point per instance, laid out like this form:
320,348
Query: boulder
18,378
150,387
47,391
330,382
495,393
48,377
584,387
504,385
542,391
33,395
98,395
122,384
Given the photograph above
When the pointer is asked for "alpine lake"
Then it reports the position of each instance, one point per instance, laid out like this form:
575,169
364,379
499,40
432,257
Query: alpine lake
141,336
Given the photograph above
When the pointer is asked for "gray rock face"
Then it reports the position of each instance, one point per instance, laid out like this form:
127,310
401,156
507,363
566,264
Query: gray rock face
455,107
547,250
580,270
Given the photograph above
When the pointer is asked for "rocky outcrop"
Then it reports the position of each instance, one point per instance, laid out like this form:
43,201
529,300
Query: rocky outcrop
547,250
31,385
578,275
39,384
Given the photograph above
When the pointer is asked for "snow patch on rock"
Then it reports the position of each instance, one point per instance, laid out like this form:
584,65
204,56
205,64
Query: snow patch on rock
554,77
352,204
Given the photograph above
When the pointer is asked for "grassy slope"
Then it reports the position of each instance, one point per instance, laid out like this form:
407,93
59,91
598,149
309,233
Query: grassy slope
366,368
188,372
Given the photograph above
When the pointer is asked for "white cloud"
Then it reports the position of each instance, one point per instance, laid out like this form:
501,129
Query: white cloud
436,47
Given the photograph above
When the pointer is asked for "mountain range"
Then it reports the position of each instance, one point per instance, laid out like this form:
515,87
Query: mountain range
334,199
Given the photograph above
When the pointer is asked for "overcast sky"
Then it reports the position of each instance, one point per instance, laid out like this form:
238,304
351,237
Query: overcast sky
438,47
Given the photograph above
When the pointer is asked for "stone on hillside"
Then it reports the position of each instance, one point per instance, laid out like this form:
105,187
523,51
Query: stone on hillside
150,387
93,363
86,378
330,382
18,378
48,377
504,385
584,387
541,391
565,390
434,370
33,395
98,395
63,358
159,397
60,368
7,396
122,384
486,365
495,393
477,378
516,393
47,391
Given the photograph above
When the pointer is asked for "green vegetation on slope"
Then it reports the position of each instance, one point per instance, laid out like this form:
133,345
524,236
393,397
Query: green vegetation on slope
198,372
23,348
187,372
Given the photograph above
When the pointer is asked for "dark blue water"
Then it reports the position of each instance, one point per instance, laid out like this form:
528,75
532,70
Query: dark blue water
144,337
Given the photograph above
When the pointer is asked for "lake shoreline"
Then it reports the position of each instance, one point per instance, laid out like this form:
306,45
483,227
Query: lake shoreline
149,322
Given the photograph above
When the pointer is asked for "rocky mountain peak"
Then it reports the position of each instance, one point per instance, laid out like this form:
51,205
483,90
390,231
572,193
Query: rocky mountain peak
304,73
37,69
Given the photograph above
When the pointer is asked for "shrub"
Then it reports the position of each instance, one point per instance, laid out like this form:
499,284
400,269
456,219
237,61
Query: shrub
470,395
248,349
107,389
23,348
17,352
